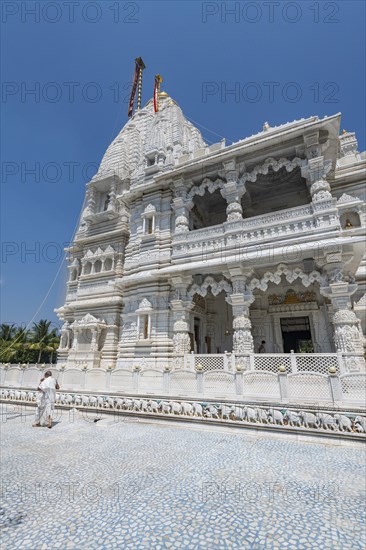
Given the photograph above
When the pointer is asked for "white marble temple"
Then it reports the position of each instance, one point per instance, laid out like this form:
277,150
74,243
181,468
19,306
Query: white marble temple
187,247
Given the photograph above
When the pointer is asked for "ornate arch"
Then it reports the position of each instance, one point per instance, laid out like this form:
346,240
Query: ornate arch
207,184
209,282
290,274
276,165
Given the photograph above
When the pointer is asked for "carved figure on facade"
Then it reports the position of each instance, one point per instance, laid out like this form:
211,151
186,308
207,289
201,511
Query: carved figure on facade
242,341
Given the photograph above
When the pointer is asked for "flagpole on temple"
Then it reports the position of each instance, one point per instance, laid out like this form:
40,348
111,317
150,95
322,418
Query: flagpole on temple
139,86
158,81
137,83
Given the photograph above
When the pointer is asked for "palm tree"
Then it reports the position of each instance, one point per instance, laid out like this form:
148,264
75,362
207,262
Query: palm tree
20,343
43,339
7,332
7,350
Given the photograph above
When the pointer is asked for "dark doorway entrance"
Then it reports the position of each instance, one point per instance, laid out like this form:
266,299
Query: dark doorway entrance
296,335
197,335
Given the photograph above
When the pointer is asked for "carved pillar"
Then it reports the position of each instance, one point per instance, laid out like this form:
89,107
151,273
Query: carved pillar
339,287
112,197
75,340
316,169
65,336
95,338
181,306
91,199
240,300
181,207
232,192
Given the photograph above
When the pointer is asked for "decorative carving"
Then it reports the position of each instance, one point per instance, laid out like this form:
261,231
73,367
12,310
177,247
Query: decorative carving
234,211
276,165
88,321
242,341
207,184
290,274
242,322
344,199
209,282
347,339
182,343
291,297
181,326
144,305
348,144
344,316
361,302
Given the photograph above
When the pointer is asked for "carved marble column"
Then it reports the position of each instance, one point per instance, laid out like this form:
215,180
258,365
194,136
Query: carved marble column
240,300
112,196
181,207
95,339
338,288
181,306
91,199
232,192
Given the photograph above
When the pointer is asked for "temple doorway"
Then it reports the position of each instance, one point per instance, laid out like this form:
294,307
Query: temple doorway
296,335
211,324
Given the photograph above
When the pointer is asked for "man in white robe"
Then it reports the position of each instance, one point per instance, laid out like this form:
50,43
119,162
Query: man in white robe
45,411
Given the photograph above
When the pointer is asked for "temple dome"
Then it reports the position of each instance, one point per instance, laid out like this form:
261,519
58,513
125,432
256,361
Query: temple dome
150,139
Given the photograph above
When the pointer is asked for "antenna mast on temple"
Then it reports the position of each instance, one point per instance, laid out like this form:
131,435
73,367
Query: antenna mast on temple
158,81
136,84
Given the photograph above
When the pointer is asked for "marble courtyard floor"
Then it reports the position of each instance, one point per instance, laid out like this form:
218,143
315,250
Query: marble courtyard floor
120,483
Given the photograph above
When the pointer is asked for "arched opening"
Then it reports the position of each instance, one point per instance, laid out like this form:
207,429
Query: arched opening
106,202
98,266
274,191
208,210
73,275
211,328
87,268
349,220
108,264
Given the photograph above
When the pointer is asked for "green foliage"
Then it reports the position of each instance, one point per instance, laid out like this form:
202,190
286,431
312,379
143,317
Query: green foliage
18,345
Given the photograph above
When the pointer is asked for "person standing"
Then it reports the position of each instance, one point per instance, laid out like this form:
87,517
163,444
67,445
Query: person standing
262,347
48,387
39,406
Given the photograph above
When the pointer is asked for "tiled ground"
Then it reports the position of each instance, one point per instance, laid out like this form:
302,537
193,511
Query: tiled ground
143,484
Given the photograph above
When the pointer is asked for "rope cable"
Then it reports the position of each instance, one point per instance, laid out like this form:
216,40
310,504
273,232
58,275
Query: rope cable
50,288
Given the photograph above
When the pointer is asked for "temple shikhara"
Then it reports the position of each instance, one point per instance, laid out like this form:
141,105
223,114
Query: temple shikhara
189,250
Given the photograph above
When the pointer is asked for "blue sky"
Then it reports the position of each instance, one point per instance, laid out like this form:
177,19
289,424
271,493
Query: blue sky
282,60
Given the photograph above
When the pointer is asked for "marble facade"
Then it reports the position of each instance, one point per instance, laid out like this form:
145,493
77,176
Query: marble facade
187,247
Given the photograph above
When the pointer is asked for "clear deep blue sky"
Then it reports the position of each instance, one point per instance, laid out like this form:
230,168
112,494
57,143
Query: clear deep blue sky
201,50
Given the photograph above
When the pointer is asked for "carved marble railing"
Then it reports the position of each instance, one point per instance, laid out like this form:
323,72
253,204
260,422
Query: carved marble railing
231,236
345,390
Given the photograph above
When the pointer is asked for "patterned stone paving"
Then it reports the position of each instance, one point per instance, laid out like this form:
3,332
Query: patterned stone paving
120,483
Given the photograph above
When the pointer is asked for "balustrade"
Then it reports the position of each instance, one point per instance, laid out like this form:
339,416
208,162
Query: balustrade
232,235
